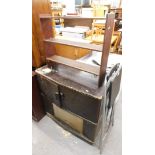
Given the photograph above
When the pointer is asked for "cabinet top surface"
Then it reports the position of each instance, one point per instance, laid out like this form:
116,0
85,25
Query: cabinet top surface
79,81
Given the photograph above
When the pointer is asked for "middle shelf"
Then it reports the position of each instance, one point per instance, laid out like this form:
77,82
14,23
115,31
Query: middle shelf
76,44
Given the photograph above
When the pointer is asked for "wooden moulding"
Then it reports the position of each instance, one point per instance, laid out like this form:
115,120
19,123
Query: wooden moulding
74,64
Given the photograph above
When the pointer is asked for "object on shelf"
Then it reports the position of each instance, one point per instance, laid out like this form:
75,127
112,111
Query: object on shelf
87,12
75,32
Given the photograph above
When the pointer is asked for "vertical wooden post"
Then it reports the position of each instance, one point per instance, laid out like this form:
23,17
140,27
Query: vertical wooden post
109,27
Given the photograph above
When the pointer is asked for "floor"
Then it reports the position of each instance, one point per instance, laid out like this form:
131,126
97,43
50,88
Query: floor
50,139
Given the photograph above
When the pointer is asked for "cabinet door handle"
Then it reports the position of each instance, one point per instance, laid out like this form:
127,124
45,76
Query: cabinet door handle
62,96
57,95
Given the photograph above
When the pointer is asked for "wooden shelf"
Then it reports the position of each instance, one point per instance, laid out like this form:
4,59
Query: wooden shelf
74,64
45,20
71,17
76,44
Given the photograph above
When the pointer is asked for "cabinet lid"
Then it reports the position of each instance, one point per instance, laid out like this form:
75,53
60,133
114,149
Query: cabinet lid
79,81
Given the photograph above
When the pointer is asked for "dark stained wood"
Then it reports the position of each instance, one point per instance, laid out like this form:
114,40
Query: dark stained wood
83,82
109,27
48,89
38,52
75,44
118,13
37,105
89,130
74,64
77,99
80,104
73,90
105,50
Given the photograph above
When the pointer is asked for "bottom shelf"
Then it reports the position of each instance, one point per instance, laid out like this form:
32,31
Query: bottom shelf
74,64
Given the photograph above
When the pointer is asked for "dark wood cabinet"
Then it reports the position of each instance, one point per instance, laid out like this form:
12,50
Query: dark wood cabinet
74,92
73,104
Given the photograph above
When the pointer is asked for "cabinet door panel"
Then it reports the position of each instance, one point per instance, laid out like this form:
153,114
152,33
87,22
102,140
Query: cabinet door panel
50,93
80,104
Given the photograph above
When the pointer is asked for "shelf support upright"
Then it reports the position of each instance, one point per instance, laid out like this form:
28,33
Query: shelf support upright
109,27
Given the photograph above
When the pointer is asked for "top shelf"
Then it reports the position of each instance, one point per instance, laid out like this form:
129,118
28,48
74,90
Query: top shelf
70,17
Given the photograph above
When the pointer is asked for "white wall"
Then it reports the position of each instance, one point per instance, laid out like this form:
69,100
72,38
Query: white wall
70,5
114,3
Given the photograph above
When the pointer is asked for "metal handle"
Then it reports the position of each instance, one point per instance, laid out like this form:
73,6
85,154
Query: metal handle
57,95
62,97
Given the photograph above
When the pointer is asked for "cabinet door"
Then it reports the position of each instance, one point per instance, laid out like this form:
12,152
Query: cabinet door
50,93
80,104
